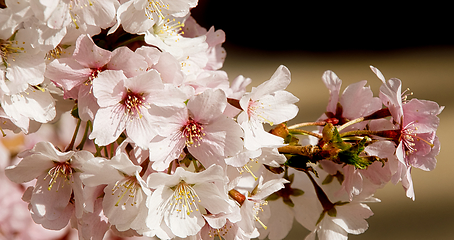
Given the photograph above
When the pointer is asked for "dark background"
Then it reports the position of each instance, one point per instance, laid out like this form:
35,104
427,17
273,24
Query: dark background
322,26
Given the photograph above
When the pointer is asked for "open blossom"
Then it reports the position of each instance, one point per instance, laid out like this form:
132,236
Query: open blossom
356,100
52,20
21,70
125,103
416,122
77,73
191,53
208,135
418,143
253,203
180,199
125,193
58,185
137,16
267,103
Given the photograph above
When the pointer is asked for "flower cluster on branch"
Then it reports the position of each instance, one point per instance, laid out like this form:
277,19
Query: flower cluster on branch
166,146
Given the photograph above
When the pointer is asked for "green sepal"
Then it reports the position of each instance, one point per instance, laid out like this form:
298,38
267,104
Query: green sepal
297,192
273,197
288,202
332,212
351,156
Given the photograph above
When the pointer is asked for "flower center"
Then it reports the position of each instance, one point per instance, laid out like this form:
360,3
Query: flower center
78,5
184,199
155,7
61,173
168,28
253,111
126,191
408,138
221,232
193,131
7,48
133,103
257,208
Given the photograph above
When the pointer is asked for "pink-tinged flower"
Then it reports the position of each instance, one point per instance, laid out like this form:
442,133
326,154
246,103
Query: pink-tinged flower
418,144
236,91
267,103
208,135
58,190
180,199
125,104
378,174
125,193
92,225
163,62
415,135
76,74
356,100
391,94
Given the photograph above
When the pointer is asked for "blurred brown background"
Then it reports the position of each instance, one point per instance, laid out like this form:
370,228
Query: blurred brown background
412,43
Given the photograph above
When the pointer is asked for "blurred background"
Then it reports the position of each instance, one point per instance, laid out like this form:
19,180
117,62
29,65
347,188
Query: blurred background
412,43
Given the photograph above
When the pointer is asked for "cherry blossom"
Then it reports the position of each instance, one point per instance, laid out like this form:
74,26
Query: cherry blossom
177,204
207,134
76,74
267,103
125,103
125,193
133,129
57,183
356,101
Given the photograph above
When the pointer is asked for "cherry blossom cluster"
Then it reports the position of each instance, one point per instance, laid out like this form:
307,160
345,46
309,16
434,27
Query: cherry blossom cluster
166,146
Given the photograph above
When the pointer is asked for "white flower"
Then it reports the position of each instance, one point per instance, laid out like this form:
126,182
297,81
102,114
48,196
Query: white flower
125,193
177,204
138,16
268,103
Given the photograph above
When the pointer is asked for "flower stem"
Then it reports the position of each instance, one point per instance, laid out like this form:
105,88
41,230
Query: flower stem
169,169
305,132
73,140
349,123
308,150
84,138
307,124
359,132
